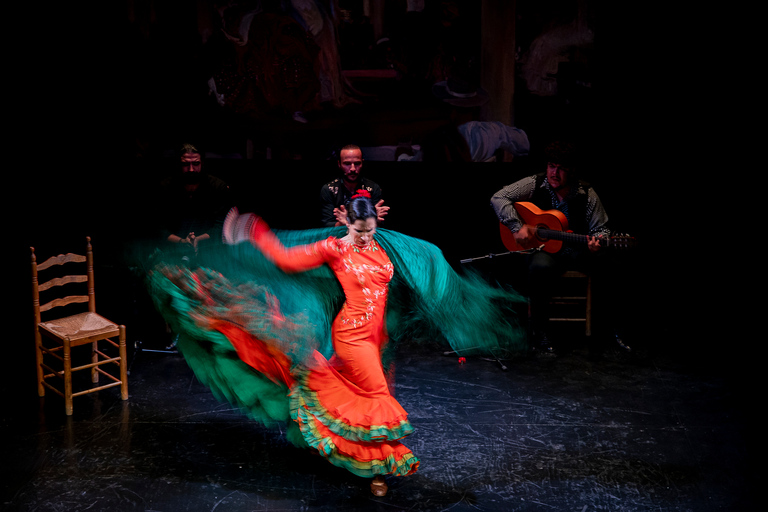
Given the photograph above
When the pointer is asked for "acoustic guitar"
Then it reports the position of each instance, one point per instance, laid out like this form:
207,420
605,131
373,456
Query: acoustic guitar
551,231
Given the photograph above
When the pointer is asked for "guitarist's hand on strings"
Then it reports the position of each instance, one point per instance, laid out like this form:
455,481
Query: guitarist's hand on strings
593,243
524,236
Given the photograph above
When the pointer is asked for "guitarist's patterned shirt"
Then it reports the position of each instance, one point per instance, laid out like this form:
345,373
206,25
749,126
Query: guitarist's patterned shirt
536,189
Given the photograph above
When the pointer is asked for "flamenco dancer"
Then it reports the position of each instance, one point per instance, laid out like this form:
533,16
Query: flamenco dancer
331,388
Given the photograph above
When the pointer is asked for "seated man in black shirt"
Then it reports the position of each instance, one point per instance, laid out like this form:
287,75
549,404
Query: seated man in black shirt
193,203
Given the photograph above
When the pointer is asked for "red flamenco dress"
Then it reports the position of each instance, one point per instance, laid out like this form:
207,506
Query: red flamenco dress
342,405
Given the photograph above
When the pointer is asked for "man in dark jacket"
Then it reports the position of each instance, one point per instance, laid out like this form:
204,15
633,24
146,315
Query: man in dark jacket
194,204
335,195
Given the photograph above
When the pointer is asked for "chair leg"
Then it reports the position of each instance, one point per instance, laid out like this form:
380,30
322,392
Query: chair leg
123,365
39,361
94,360
67,378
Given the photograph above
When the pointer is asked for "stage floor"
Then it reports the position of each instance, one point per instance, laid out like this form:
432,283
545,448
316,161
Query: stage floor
624,432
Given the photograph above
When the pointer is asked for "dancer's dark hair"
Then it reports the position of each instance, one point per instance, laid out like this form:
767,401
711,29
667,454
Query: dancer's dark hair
360,207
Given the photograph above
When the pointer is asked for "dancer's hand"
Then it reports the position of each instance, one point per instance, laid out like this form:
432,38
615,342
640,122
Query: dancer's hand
239,228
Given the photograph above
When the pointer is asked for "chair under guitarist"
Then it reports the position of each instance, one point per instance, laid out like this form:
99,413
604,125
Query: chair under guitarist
572,300
58,339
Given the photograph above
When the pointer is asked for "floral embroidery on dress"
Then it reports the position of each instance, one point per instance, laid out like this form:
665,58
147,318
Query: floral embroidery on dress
374,291
370,247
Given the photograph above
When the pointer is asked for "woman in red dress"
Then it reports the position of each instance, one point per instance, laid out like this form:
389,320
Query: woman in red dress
343,406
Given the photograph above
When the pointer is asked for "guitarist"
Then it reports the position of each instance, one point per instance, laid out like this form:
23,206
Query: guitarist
560,188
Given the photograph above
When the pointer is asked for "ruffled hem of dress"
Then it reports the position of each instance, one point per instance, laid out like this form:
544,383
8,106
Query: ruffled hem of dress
353,423
365,459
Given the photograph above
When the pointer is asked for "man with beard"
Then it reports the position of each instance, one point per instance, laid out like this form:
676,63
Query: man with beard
335,195
558,188
193,203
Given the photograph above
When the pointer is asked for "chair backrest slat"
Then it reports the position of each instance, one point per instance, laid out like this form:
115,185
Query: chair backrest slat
61,259
60,281
72,299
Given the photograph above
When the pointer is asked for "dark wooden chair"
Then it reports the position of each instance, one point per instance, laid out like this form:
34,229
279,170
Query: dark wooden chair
572,301
56,337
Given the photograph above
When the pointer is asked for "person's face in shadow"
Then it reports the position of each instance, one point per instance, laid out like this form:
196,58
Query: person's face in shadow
351,163
558,176
191,169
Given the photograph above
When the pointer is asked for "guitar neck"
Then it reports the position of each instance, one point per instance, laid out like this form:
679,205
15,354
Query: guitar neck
565,236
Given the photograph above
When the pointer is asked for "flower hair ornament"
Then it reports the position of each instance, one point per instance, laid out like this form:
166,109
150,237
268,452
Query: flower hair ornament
362,193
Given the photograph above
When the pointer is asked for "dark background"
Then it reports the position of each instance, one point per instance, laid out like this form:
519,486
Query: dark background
106,93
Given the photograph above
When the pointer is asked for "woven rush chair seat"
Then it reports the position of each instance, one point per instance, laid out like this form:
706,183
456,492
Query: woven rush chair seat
82,327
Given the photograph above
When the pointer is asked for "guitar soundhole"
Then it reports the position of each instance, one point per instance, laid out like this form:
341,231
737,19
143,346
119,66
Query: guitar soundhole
540,232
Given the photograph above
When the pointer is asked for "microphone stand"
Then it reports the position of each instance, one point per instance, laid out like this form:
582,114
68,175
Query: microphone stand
491,256
496,255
